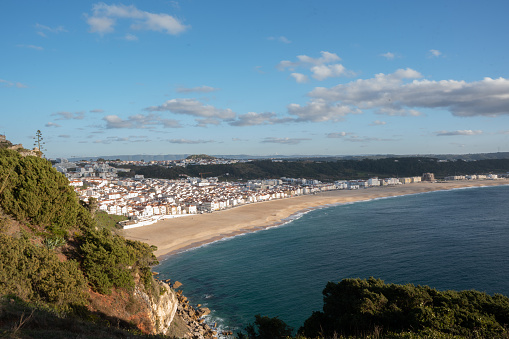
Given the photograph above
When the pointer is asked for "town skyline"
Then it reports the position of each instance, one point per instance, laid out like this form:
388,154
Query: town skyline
256,78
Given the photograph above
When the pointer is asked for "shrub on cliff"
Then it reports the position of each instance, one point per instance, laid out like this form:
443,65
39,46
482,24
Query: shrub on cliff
355,306
266,328
32,191
110,260
34,273
55,249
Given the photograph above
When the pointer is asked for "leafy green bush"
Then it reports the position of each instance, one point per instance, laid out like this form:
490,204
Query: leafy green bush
110,260
35,274
53,242
266,328
31,190
355,306
108,221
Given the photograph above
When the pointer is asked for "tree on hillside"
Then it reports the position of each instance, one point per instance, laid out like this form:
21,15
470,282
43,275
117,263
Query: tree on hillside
39,143
358,306
266,328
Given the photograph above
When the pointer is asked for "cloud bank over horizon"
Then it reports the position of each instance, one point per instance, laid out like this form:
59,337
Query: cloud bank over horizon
192,77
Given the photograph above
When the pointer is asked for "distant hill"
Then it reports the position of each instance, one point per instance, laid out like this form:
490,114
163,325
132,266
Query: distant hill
200,157
63,275
327,169
162,157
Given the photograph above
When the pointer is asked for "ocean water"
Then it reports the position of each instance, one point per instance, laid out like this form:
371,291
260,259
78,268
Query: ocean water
456,239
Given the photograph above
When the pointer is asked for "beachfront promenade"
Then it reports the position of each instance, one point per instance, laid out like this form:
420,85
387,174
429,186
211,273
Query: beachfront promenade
146,201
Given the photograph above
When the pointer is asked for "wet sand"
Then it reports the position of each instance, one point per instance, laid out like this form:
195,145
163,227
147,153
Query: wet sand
178,234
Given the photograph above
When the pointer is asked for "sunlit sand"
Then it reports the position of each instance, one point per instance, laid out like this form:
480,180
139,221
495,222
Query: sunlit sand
175,235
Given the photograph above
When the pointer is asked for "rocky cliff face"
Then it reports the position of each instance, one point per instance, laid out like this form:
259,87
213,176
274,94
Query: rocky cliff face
170,306
161,311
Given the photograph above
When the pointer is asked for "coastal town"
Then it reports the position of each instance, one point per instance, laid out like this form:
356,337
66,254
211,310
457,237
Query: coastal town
146,200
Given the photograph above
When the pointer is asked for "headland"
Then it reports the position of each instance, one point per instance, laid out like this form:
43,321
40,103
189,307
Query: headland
175,235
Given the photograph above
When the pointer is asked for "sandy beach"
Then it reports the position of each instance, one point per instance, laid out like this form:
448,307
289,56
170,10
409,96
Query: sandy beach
178,234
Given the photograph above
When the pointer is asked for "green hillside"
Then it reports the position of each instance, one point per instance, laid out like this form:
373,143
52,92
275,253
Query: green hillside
53,254
327,170
65,275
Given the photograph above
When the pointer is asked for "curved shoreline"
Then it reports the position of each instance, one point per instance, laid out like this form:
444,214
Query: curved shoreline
176,235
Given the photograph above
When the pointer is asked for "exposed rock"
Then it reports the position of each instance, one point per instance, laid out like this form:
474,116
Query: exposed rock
203,311
173,303
163,310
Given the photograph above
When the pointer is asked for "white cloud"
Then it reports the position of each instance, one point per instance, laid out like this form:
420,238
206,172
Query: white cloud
130,138
401,93
139,121
170,123
259,70
459,132
321,68
114,121
280,39
42,30
326,58
287,64
356,138
104,18
300,78
319,110
457,144
305,61
350,137
188,141
378,123
402,112
286,141
207,121
52,124
337,135
435,53
322,72
97,110
66,136
131,37
101,25
12,84
194,108
388,55
253,118
69,115
37,48
199,89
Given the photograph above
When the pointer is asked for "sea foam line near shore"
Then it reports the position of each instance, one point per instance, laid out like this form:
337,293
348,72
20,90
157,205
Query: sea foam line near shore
183,234
299,214
214,318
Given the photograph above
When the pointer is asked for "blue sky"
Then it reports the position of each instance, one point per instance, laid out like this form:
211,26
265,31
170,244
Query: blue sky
255,77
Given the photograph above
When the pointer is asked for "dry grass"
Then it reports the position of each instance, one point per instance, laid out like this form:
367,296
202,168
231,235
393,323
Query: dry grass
20,320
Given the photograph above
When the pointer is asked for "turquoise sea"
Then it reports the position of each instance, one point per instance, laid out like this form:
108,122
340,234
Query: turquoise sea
456,239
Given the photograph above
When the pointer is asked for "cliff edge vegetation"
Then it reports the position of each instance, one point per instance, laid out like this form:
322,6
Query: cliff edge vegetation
64,275
57,263
370,308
